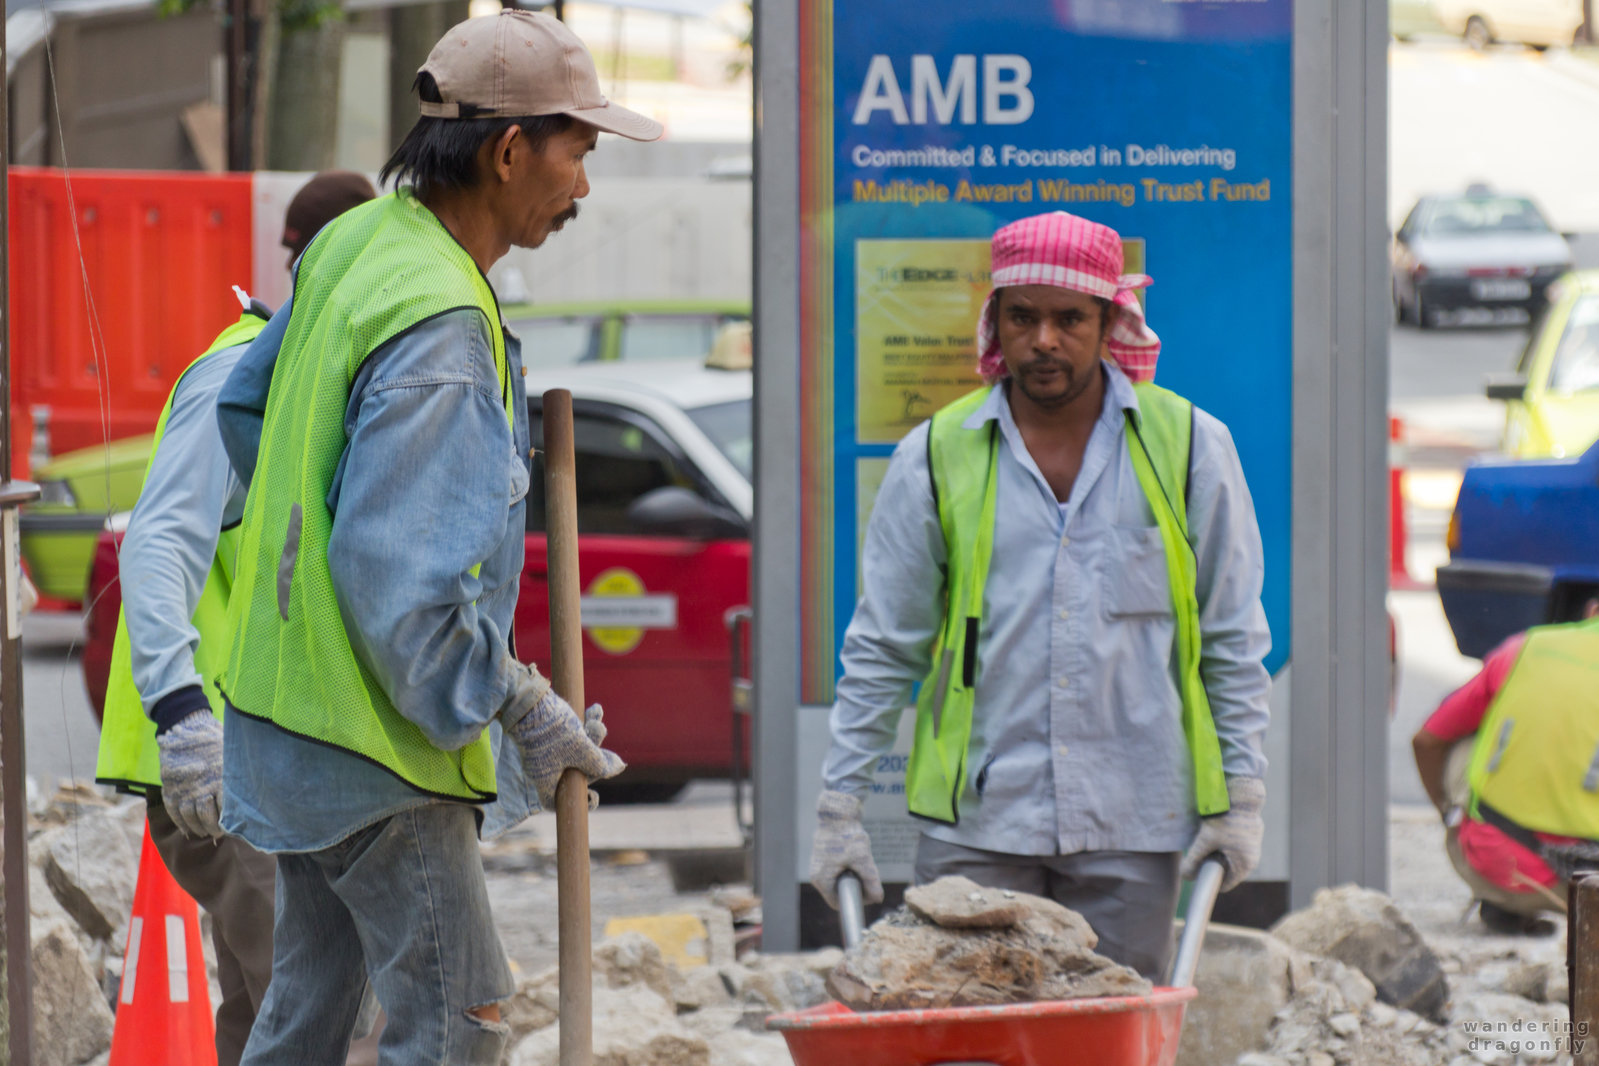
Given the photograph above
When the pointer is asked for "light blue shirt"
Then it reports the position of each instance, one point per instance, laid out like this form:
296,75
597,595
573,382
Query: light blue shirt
1077,740
189,496
432,481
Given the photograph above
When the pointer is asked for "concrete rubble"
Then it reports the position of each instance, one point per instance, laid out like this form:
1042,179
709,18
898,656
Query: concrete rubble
648,1013
80,889
1362,928
956,944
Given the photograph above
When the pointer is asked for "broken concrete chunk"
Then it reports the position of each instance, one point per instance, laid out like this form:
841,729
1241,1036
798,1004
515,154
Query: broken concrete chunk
633,958
906,961
960,903
72,1022
91,870
1361,927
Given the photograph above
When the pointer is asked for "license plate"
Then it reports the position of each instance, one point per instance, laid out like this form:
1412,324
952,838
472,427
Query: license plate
1501,289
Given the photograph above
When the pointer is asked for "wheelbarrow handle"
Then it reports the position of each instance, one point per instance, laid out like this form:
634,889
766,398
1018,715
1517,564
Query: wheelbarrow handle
1207,886
851,909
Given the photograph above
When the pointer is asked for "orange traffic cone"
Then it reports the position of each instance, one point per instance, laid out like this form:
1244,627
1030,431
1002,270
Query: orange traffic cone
164,1009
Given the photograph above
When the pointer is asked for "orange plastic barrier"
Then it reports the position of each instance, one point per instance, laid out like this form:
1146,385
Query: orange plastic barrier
164,1008
160,252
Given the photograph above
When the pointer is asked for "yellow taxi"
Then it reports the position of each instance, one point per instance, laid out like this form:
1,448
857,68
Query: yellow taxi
1552,397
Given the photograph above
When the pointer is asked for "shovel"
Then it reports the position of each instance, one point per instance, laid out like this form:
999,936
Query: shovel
572,795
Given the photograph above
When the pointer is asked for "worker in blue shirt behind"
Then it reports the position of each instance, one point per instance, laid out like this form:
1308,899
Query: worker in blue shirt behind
1069,565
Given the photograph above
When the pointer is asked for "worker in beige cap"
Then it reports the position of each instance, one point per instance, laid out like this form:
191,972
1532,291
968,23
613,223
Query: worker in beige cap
381,425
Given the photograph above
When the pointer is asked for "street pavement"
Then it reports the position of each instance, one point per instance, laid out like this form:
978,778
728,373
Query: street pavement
1512,117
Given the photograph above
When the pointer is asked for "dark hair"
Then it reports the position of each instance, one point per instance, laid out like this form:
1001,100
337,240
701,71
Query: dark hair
441,153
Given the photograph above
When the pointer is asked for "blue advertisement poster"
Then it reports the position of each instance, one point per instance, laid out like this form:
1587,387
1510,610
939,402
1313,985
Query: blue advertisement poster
931,125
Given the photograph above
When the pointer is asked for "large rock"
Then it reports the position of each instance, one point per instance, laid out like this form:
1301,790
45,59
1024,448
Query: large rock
92,871
634,959
72,1022
633,1026
907,962
1362,928
1244,978
960,903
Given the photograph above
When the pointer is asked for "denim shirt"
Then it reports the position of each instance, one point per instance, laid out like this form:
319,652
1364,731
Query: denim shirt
432,481
1077,740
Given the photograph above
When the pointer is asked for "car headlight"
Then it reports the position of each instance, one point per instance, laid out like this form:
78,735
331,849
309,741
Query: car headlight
57,492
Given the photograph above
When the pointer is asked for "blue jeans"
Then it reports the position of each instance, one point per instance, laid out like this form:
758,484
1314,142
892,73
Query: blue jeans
403,903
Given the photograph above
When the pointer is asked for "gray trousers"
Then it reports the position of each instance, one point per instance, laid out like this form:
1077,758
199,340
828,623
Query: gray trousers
1129,898
235,884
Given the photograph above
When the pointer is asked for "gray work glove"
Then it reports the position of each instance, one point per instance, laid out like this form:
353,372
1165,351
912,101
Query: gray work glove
1234,837
550,737
841,844
191,774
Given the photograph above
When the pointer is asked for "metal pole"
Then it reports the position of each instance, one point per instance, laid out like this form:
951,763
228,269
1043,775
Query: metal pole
1582,968
566,673
13,762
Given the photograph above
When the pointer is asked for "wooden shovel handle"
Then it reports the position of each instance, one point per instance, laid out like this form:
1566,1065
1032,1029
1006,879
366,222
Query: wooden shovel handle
566,673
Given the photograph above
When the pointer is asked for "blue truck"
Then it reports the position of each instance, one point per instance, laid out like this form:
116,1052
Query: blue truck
1523,547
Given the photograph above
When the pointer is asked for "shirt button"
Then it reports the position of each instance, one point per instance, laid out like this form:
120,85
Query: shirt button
1065,614
1063,682
1061,750
1065,542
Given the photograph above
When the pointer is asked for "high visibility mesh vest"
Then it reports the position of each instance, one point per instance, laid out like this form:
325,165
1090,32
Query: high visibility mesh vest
1536,758
129,757
964,464
374,273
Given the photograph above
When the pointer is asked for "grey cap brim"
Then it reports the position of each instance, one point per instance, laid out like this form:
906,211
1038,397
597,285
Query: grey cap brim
613,118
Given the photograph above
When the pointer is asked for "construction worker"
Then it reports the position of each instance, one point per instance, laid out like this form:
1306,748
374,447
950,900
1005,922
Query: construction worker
381,424
176,572
1511,761
1068,562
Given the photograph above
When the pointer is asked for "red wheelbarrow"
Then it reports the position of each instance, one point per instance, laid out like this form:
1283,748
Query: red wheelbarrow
1111,1031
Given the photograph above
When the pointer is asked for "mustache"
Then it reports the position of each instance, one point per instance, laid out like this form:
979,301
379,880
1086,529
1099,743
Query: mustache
566,216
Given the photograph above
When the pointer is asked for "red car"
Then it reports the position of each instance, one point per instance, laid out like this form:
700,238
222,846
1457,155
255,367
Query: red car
664,458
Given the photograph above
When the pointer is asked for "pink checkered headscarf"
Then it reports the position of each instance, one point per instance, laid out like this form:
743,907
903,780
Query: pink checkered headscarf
1071,253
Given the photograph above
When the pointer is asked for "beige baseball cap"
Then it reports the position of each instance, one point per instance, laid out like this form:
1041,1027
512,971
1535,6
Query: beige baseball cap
521,63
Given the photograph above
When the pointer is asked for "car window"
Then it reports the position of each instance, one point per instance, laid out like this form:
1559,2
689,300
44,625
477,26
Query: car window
617,462
1475,215
558,341
1538,321
669,336
728,426
1576,365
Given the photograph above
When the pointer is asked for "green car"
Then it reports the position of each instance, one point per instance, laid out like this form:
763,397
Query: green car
78,491
563,334
1552,397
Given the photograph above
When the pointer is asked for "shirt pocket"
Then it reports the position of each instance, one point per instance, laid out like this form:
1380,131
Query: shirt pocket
1136,583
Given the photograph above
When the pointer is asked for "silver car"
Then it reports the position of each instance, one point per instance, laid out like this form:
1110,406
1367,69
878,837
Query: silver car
1477,249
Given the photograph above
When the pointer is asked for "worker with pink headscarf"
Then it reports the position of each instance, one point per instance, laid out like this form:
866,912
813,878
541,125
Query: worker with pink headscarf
1067,563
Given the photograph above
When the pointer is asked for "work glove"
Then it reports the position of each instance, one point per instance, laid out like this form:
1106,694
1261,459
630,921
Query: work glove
1233,837
841,845
191,774
550,737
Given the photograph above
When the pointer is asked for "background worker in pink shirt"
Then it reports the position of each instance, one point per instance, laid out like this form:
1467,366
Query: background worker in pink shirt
1511,761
